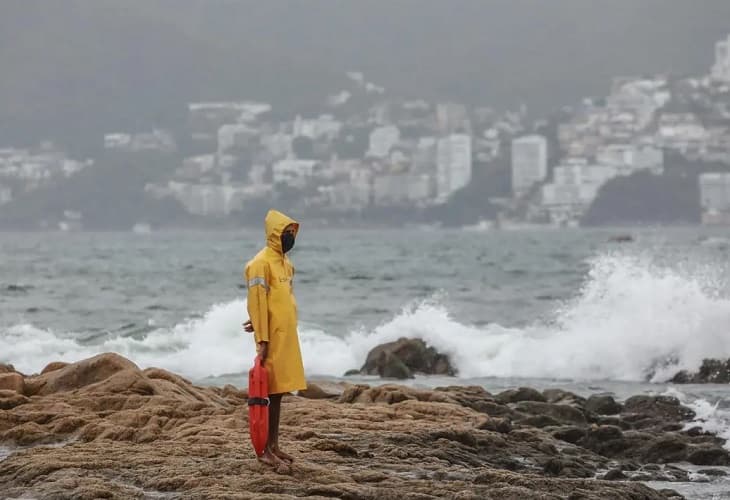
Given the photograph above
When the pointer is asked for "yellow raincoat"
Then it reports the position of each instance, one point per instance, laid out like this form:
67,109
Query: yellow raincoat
273,309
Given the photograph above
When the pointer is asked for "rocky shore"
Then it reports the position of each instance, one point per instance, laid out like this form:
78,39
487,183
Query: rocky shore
104,428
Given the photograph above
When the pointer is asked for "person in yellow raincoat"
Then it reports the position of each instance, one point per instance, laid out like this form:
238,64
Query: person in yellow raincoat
272,310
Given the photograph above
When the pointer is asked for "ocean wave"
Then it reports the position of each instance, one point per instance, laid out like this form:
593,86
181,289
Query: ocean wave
630,321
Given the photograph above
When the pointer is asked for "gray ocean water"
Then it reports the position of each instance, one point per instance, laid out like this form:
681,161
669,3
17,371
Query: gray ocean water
545,308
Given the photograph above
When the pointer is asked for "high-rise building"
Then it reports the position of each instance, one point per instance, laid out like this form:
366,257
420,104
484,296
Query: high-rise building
6,195
721,69
715,191
529,163
454,164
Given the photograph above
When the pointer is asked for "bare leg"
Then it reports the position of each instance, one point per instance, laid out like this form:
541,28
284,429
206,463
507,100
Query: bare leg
274,417
269,456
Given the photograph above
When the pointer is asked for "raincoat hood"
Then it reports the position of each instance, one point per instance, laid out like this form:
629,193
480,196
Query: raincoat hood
276,222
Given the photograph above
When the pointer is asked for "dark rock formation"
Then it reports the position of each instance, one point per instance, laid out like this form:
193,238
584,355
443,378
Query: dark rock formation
520,394
712,371
603,405
405,357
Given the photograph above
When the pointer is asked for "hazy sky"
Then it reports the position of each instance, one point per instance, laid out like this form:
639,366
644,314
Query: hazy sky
129,63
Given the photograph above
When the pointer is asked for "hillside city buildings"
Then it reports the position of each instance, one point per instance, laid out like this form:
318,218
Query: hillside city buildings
397,153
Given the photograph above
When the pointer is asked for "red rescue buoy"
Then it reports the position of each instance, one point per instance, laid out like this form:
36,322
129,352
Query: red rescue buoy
258,405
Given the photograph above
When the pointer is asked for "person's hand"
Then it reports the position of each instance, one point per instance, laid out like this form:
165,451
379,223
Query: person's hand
248,326
263,350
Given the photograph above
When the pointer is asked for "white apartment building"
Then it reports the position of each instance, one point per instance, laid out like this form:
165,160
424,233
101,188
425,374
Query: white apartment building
721,69
279,145
715,191
294,173
574,188
157,140
680,131
529,163
6,195
234,137
453,165
325,126
629,158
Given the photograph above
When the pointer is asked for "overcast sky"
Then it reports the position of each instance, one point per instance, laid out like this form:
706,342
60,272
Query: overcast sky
136,61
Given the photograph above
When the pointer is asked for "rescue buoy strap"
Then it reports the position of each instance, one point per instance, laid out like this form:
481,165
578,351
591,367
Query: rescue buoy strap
258,401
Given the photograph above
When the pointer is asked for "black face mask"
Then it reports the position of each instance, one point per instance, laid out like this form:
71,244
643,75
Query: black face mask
287,242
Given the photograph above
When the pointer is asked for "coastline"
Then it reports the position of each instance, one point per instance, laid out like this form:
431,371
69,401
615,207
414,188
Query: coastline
104,428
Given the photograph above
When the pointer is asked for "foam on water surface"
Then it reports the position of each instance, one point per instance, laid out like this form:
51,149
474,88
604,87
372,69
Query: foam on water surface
630,321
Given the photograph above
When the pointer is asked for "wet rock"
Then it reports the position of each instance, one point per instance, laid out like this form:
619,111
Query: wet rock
614,475
713,472
675,473
539,421
712,371
682,377
666,450
548,448
526,486
500,425
520,394
672,427
709,456
559,396
603,405
671,494
492,409
604,433
460,436
570,434
606,440
391,366
352,372
561,413
666,408
404,357
12,382
553,467
629,466
615,421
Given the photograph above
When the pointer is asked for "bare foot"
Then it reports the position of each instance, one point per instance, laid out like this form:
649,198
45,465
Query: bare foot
284,456
270,459
283,469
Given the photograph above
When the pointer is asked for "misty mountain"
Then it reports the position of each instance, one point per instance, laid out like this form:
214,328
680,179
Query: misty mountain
75,69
